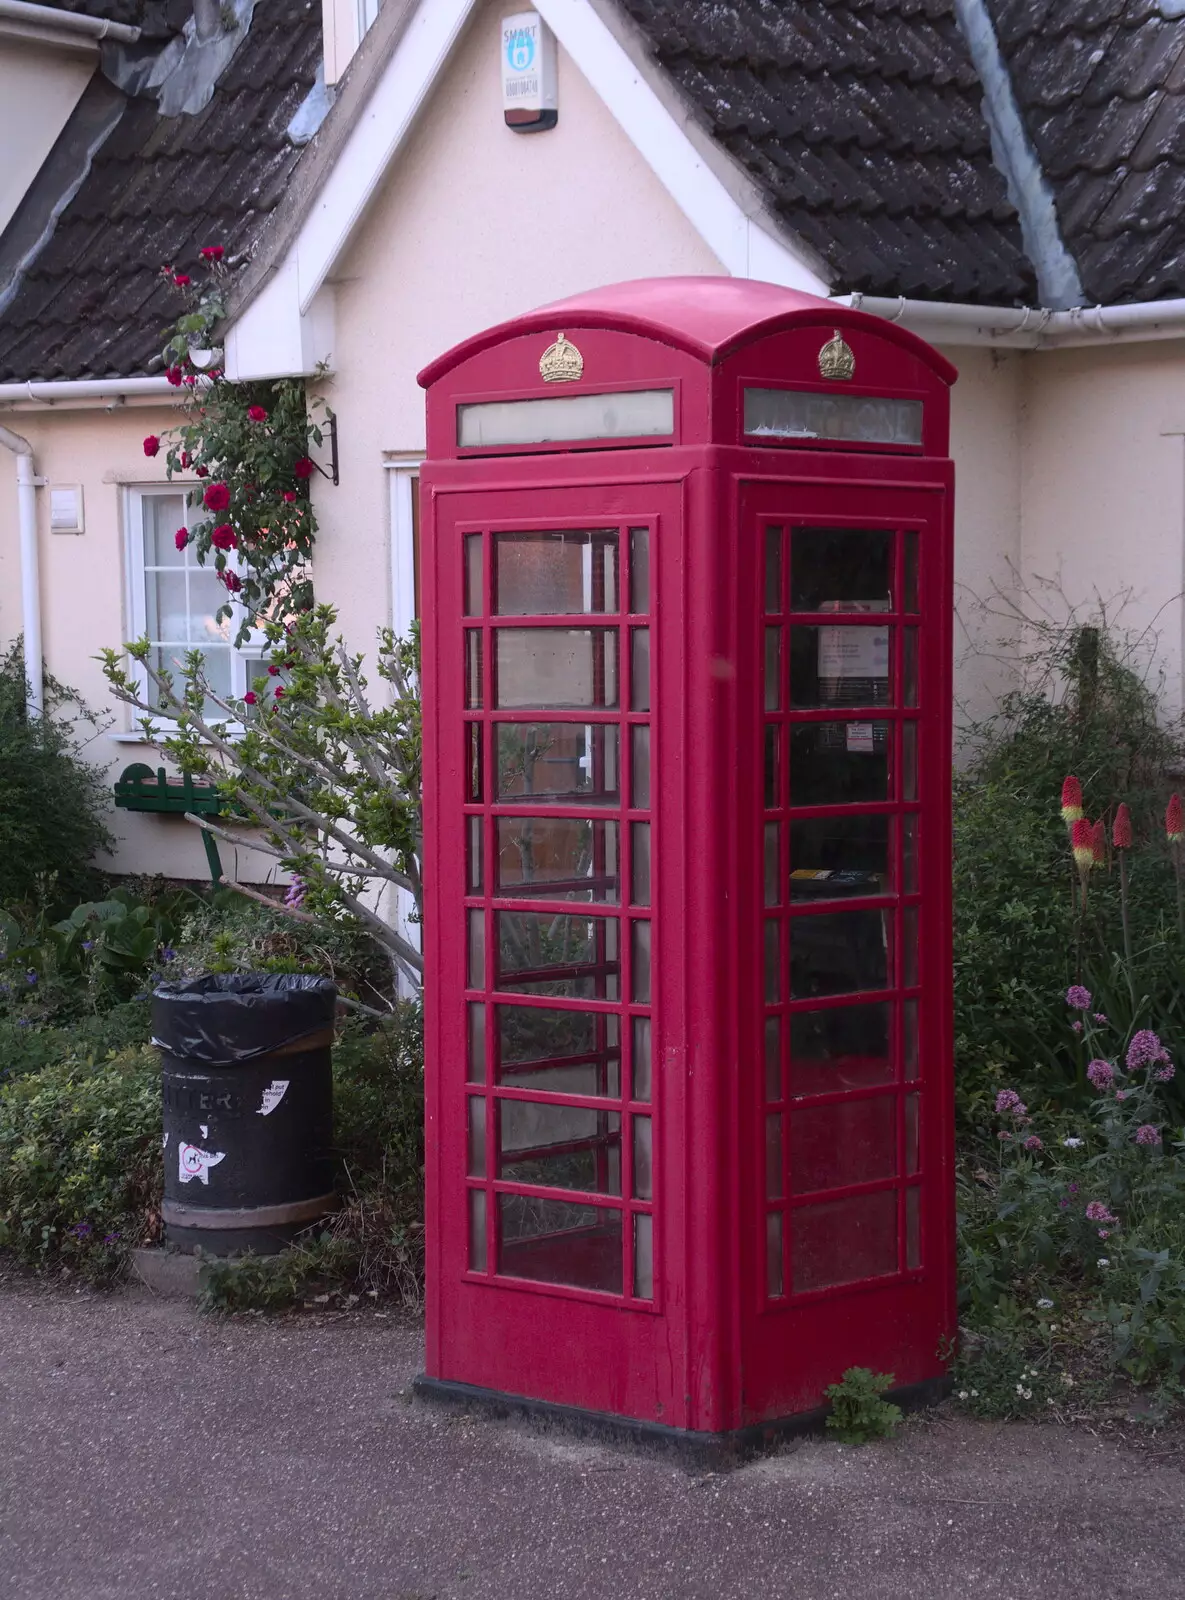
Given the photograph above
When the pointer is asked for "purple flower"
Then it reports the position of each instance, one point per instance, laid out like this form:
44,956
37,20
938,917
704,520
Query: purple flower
1072,1188
30,976
1121,1094
1008,1100
110,1238
1101,1074
1063,1203
1096,1211
1163,1074
1147,1134
1099,1016
297,890
168,954
23,1022
88,945
1033,1143
80,1230
1144,1049
1078,998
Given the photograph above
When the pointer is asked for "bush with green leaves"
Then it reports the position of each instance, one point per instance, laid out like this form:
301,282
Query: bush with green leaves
858,1413
53,802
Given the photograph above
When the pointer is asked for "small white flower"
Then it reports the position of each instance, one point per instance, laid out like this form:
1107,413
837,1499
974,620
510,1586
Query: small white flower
1020,1388
1053,1327
1067,1380
1028,1394
1103,1261
1045,1305
1072,1144
975,1394
963,1395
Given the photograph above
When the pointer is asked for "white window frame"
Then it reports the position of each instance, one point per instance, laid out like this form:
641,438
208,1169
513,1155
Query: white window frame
402,474
368,11
137,588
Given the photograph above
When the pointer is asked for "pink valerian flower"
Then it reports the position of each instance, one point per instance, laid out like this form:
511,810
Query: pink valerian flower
181,538
1163,1074
1101,1074
1003,1135
1082,845
1121,1094
297,890
1033,1143
1104,1233
1147,1134
1008,1100
1121,829
1174,824
1072,801
1100,1017
1078,998
1076,1026
1144,1049
1096,1211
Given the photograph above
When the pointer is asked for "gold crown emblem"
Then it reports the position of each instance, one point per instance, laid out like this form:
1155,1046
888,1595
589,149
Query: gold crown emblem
561,362
836,359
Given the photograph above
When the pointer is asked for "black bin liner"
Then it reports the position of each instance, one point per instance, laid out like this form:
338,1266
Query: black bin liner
247,1089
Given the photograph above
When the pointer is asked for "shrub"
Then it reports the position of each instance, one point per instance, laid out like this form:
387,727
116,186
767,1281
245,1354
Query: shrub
52,801
858,1413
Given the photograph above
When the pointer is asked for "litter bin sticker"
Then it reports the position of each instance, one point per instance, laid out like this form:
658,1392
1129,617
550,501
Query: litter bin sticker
272,1096
193,1162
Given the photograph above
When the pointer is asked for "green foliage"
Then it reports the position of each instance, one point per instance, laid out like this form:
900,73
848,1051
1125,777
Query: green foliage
52,801
858,1413
27,1045
80,1162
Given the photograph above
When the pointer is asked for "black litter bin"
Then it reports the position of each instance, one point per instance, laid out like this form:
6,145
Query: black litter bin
248,1108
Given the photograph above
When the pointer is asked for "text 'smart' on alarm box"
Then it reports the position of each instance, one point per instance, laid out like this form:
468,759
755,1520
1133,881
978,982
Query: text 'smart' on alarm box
687,609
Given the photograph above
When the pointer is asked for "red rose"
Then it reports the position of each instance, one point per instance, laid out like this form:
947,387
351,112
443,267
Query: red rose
202,472
183,459
304,468
280,692
216,497
232,581
190,380
173,374
250,697
181,538
290,495
211,252
223,537
257,413
181,279
273,671
151,445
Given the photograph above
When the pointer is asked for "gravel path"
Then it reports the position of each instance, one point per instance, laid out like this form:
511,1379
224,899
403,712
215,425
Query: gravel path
148,1453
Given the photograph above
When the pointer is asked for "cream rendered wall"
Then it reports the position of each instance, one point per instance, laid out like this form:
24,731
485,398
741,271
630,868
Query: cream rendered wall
39,87
83,605
1103,490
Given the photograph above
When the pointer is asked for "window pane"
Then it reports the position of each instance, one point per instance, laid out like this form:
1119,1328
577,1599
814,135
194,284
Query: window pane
560,761
843,1241
833,569
909,947
841,1143
909,1043
555,1241
474,596
909,667
773,668
640,570
640,863
773,874
912,1151
909,760
773,1254
473,760
477,1230
773,1156
773,961
216,665
167,600
477,949
559,1052
628,414
477,1042
640,963
163,515
473,655
841,952
571,956
643,1256
643,1158
559,1147
641,1061
206,598
834,857
555,574
473,826
913,1228
839,666
561,667
477,1136
640,774
564,858
839,763
910,599
773,1058
773,571
846,1047
640,669
772,733
909,854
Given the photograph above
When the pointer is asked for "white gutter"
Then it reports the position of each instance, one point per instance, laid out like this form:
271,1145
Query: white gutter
1028,327
58,21
26,498
83,388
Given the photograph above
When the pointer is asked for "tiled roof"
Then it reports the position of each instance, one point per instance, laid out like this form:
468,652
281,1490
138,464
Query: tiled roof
862,122
1101,88
92,303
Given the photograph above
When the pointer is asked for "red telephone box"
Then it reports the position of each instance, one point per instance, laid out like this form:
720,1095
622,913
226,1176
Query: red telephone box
687,610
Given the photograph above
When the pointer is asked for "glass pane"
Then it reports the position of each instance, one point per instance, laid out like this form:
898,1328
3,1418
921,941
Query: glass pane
473,761
913,1229
909,947
843,1241
641,1066
477,1136
216,664
640,863
473,827
168,608
573,956
478,1254
809,414
842,1143
627,414
909,760
773,571
909,668
640,570
773,876
772,735
773,1058
841,569
839,666
834,857
640,774
640,669
912,1149
641,963
843,952
567,762
477,1042
477,949
839,763
559,1147
560,667
474,595
773,1254
555,574
910,1037
845,1047
564,858
555,1241
773,962
163,515
909,854
473,668
773,668
909,600
643,1256
643,1159
206,598
773,1157
559,1052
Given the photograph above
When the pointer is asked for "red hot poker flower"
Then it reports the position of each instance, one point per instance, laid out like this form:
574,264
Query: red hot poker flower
303,468
1121,829
1174,823
1072,801
216,497
1098,842
151,445
1082,844
224,538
